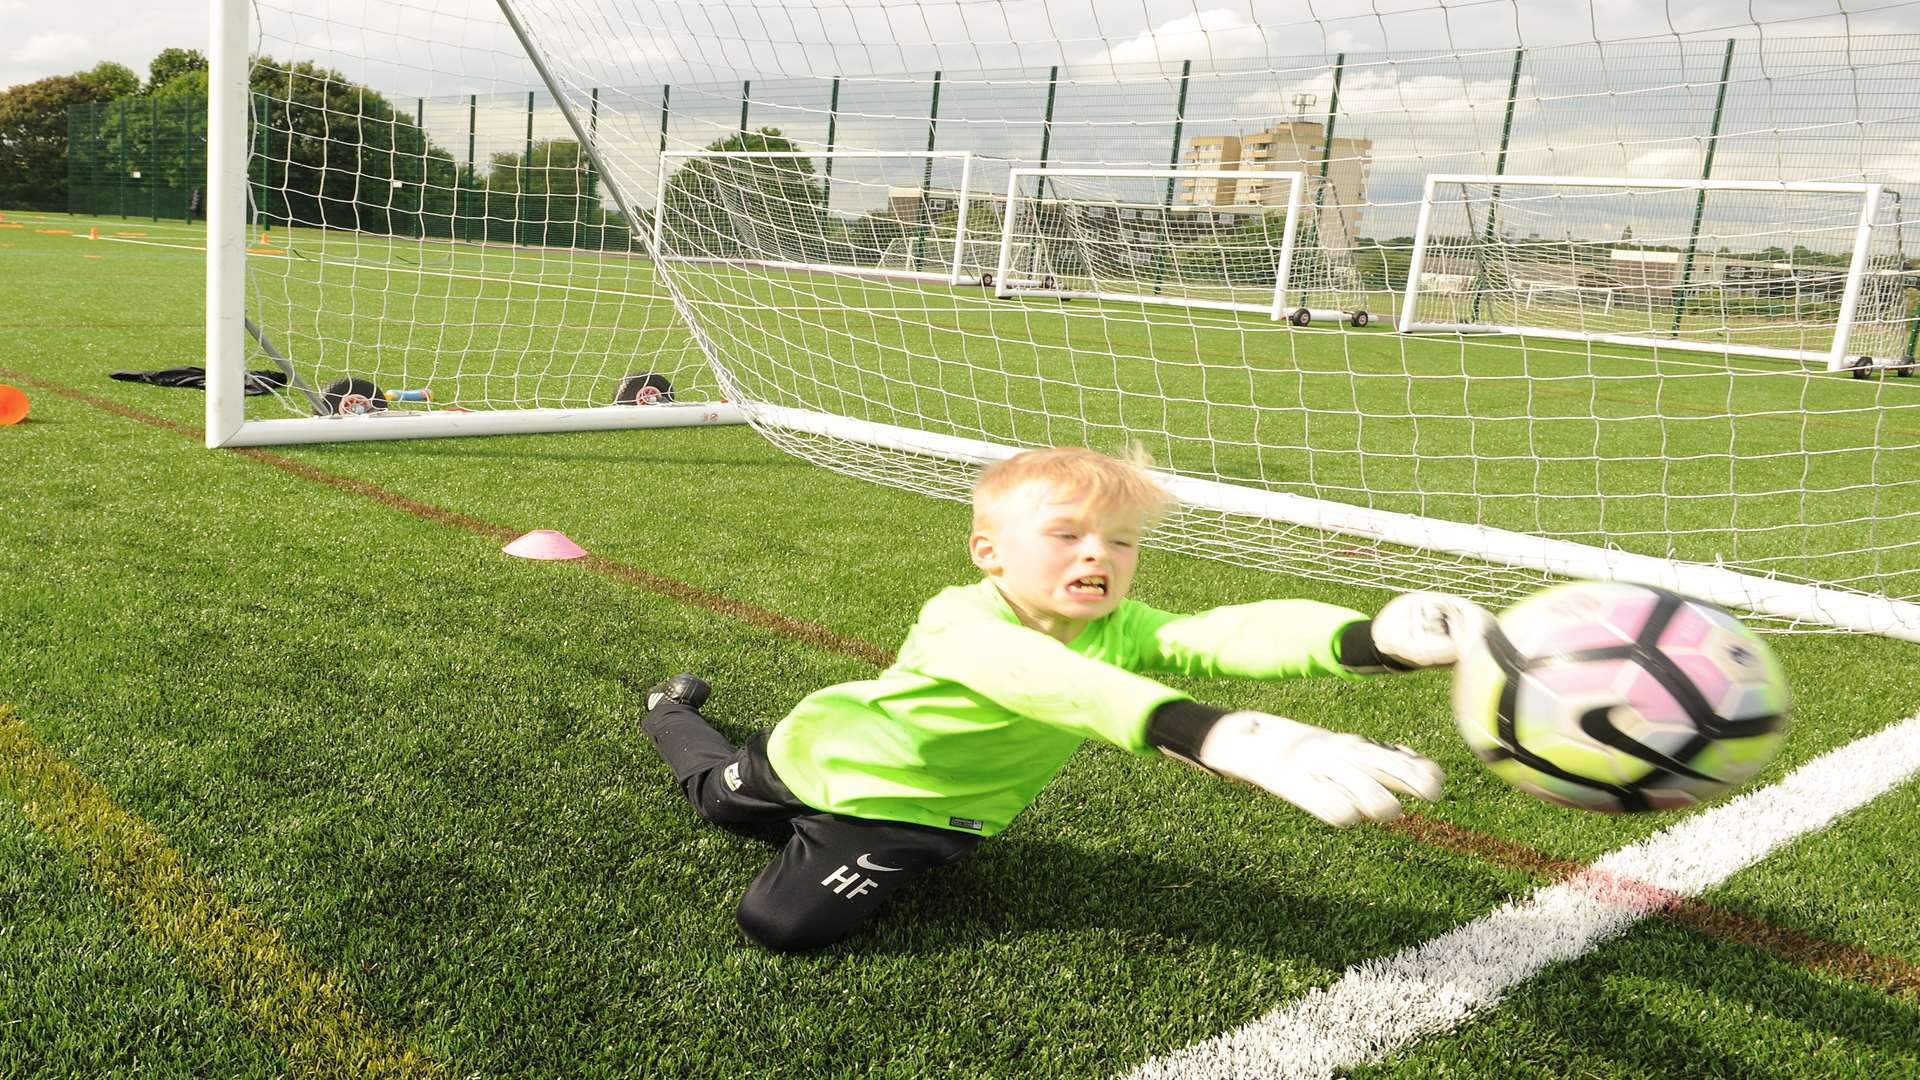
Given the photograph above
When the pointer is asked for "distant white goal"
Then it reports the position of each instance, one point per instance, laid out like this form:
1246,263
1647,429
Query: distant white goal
1808,272
1232,241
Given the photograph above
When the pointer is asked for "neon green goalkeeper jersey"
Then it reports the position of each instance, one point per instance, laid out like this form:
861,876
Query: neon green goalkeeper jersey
979,712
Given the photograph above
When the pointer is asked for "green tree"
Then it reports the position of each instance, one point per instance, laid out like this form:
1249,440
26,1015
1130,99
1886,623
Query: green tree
755,208
110,80
187,84
171,64
33,139
331,152
543,198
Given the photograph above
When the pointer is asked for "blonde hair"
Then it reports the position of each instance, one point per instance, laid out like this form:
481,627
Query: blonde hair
1107,484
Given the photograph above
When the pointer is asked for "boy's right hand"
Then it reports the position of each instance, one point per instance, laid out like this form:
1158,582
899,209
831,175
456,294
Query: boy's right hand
1336,777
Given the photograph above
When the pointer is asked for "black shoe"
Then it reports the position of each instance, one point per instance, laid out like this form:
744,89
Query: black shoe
683,689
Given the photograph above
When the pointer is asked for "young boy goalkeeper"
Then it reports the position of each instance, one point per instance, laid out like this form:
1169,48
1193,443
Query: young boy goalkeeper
868,785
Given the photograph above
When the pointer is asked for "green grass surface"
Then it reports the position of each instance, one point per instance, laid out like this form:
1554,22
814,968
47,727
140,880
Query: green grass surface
415,761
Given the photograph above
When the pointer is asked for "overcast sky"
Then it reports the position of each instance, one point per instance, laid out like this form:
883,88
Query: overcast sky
52,37
688,41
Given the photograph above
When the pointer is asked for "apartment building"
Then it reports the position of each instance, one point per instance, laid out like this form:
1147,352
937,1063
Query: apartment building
1287,146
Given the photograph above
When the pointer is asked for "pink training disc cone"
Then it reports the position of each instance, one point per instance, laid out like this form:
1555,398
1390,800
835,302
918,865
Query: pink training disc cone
545,544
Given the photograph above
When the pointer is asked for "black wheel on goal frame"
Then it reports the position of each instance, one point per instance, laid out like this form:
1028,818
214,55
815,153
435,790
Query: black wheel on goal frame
1904,369
352,397
645,388
1862,367
1361,318
986,280
1301,317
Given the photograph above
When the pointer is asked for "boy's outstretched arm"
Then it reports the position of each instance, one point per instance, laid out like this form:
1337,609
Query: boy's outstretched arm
1280,639
1336,777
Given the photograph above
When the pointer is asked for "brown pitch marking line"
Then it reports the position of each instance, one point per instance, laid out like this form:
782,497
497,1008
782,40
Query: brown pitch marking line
1886,973
683,592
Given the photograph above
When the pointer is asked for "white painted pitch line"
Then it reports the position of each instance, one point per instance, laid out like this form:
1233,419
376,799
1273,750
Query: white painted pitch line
1383,1005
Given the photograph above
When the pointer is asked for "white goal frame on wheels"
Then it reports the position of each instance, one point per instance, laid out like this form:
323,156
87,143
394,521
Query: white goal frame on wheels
1833,358
1021,181
229,330
953,259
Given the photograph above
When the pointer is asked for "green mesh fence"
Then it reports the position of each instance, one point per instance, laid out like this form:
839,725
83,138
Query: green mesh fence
138,157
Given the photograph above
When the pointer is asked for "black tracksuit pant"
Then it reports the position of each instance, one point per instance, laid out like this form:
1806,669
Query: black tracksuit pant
832,873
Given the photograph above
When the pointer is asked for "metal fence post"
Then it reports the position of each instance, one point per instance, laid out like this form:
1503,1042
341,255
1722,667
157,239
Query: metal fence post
1700,202
1499,169
926,177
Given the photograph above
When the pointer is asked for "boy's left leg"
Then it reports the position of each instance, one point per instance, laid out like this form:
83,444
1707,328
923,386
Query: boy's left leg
732,786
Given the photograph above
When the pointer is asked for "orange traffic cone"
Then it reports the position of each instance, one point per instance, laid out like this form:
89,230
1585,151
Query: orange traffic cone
265,240
93,233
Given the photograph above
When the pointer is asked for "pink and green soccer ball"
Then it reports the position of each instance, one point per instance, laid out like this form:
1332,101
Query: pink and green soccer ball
1620,698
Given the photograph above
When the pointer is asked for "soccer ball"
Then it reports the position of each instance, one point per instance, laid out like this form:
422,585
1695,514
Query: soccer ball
1620,698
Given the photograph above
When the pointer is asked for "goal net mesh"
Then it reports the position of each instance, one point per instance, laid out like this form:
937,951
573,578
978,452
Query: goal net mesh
477,248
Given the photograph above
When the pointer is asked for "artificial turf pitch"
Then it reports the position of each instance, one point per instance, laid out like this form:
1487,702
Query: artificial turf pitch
387,783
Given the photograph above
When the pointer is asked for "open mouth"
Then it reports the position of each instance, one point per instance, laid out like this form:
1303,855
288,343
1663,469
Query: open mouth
1091,585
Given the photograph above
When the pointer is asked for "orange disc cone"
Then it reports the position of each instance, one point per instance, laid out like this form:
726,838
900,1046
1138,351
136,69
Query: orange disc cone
13,405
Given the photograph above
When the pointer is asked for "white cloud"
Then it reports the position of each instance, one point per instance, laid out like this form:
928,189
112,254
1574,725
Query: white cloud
1215,34
56,48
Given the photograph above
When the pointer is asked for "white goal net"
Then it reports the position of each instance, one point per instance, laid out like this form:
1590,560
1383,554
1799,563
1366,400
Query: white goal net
877,213
906,239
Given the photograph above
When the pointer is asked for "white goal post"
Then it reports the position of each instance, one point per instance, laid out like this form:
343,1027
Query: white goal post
1561,257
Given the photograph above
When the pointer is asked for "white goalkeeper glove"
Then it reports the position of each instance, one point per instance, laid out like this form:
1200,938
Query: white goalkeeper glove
1424,629
1335,777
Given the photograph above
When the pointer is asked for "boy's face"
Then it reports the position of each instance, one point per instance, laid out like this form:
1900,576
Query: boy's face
1059,563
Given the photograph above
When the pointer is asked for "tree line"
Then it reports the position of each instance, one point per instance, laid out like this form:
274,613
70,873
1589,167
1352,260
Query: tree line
327,151
33,119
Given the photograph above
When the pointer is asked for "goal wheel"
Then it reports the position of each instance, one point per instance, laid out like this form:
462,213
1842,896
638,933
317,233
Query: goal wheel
986,280
1904,369
352,397
1361,318
1302,317
646,388
1862,367
1047,282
